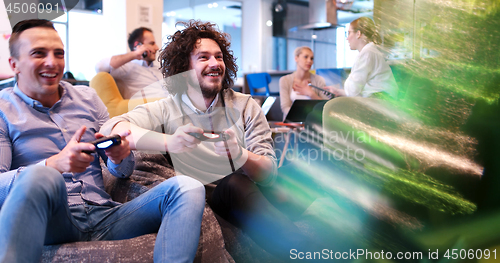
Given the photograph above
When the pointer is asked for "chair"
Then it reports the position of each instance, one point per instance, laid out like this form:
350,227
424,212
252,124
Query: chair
107,90
7,83
258,83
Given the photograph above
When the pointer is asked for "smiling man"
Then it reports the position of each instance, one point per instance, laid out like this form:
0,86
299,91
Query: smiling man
137,70
51,189
199,69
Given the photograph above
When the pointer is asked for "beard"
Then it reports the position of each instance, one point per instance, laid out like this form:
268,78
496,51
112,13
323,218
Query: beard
210,92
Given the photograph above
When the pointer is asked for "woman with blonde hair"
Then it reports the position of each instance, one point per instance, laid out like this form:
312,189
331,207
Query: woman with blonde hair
296,85
370,74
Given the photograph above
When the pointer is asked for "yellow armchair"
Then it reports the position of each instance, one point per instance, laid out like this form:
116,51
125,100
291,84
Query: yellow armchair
106,88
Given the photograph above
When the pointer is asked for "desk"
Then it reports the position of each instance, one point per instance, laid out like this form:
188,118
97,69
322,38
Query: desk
288,129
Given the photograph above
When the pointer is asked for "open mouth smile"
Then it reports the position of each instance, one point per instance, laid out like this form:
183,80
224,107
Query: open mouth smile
48,75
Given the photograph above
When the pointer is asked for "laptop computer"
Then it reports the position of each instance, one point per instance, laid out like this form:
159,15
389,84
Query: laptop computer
301,108
268,103
271,107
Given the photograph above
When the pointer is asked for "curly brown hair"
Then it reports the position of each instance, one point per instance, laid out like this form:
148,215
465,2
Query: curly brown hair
174,57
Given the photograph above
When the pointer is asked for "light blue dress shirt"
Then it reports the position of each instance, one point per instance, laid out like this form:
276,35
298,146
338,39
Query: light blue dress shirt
30,133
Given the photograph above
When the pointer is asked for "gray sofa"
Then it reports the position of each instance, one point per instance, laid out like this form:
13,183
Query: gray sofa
219,240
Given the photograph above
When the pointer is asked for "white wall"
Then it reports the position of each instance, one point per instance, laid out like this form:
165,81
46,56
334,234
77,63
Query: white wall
93,37
132,17
86,45
122,17
115,26
256,36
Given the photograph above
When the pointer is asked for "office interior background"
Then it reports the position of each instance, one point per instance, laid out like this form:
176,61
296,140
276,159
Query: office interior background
264,33
450,46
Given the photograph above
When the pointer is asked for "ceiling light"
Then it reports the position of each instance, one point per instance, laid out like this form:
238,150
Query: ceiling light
269,23
278,8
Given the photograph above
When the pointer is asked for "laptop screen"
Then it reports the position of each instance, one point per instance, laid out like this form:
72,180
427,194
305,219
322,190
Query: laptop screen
301,108
268,103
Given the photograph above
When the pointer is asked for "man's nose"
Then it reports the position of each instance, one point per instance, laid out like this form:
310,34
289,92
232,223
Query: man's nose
50,60
212,62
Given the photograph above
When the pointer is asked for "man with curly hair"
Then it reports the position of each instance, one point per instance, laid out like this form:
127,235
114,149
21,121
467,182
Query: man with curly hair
199,69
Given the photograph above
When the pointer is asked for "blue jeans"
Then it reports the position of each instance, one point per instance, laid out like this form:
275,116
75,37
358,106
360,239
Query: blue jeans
36,212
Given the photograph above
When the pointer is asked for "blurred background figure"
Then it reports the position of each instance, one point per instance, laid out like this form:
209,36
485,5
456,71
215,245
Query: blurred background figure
296,85
136,70
370,75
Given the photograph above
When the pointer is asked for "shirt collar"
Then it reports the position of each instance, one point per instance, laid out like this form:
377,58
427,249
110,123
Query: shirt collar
143,63
37,105
369,44
185,98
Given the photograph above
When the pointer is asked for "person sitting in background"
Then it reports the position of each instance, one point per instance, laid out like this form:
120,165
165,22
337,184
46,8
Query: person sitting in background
295,86
51,190
370,75
136,70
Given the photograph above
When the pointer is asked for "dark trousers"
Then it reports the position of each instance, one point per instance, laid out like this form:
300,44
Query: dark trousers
241,202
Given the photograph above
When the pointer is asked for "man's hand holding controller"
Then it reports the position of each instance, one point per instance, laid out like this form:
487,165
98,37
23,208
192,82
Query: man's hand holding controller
105,142
75,156
229,146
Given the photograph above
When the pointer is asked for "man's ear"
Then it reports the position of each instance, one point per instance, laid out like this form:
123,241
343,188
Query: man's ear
136,43
13,65
358,34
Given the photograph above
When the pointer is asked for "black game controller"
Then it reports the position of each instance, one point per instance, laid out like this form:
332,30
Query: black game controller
210,136
105,142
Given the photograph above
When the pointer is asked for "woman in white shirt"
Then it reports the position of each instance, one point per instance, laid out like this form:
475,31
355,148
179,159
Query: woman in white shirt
295,86
370,74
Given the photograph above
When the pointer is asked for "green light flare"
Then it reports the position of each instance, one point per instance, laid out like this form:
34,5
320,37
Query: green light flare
423,189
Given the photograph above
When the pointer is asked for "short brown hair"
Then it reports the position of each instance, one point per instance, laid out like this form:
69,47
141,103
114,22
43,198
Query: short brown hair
174,57
137,35
20,27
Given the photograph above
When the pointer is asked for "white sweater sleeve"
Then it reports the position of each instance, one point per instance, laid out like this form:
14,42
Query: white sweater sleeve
360,72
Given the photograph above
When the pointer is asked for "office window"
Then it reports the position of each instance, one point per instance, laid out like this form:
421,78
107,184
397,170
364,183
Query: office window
85,43
226,14
345,56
